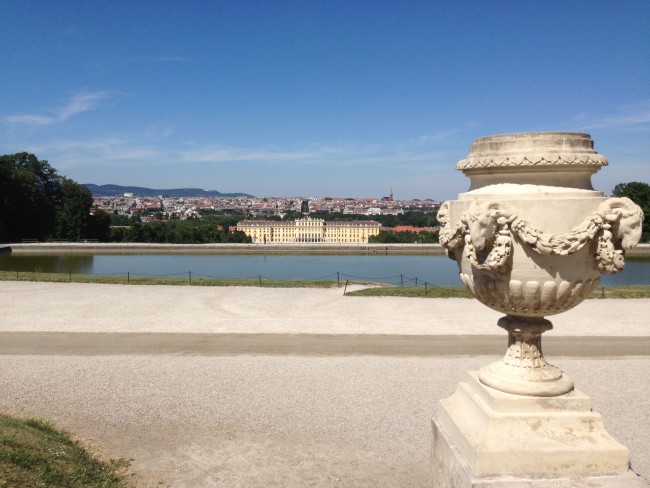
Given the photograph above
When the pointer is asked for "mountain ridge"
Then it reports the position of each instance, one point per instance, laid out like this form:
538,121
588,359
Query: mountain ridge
111,190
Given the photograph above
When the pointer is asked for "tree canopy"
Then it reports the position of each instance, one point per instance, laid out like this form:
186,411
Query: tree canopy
391,237
639,193
413,218
38,203
177,232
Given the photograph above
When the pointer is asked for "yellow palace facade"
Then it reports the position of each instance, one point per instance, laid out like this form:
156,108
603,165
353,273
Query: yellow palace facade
309,230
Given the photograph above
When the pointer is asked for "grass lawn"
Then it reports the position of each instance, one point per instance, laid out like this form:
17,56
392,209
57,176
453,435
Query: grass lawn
34,454
157,280
374,289
414,291
639,291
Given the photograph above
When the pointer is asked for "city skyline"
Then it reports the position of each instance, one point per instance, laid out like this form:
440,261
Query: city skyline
300,98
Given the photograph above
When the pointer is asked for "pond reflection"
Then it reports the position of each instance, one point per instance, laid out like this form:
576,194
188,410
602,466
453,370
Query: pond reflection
80,264
391,269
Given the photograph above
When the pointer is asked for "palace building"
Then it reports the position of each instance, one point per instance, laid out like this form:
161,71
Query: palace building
309,230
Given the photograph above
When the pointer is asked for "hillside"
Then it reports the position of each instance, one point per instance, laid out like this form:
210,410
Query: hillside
118,190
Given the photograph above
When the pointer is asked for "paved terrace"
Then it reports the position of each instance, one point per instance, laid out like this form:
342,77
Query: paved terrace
285,387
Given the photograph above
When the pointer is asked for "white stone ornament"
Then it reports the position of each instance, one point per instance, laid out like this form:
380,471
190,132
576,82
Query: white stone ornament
531,238
518,257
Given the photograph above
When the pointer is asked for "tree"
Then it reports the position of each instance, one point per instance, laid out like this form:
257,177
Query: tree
391,237
639,193
239,237
118,220
38,203
99,226
73,212
29,190
636,191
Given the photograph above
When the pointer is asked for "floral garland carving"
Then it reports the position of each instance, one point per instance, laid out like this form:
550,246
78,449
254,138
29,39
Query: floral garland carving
486,231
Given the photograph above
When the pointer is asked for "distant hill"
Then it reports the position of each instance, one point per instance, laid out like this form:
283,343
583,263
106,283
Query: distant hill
118,190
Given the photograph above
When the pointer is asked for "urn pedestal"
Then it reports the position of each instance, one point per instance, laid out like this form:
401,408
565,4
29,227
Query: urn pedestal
531,238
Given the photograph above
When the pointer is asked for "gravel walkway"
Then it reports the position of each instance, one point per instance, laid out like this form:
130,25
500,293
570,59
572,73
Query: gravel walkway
260,421
75,307
278,421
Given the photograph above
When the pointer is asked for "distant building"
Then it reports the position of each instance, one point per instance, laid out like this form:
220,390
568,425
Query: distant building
309,230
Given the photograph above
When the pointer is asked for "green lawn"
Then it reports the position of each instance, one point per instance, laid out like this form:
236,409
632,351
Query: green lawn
414,291
157,280
35,454
374,289
639,291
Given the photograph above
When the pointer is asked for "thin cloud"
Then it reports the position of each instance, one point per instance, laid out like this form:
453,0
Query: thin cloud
123,151
169,59
30,119
633,117
339,155
69,153
439,136
223,154
78,103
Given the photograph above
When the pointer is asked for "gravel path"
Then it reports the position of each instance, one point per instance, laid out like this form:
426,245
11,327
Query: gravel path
260,421
75,307
279,421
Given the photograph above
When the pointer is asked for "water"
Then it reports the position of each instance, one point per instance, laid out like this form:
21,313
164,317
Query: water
435,270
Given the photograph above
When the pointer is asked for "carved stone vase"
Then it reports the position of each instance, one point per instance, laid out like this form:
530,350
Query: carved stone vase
531,238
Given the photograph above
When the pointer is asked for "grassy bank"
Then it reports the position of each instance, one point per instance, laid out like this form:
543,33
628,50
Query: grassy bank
639,291
186,280
414,291
34,453
373,289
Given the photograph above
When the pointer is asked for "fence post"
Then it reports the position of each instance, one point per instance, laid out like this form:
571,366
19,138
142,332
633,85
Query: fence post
602,292
69,275
260,276
16,274
401,280
128,277
346,287
338,278
416,281
190,277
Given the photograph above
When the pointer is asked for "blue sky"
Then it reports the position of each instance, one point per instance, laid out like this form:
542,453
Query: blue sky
317,98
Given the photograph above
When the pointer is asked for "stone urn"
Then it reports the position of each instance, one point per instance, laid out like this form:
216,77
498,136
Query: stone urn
531,238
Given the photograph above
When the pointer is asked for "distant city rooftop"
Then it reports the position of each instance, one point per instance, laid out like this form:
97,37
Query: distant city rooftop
260,207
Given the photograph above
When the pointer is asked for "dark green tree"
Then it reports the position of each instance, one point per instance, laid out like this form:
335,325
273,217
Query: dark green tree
99,226
238,236
639,193
391,237
118,220
636,191
28,197
154,232
73,211
38,203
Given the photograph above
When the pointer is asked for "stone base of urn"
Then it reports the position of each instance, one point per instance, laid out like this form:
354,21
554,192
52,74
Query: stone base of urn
485,438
